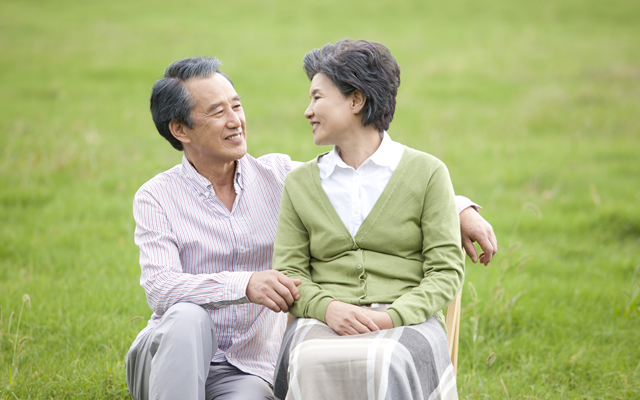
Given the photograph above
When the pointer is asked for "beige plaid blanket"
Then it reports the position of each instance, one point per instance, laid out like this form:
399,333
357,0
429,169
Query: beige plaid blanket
409,362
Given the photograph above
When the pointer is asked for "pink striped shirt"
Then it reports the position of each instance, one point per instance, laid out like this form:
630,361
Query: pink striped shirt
193,249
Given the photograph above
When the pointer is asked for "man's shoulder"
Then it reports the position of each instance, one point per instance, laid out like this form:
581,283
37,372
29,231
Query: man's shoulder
162,182
267,168
269,161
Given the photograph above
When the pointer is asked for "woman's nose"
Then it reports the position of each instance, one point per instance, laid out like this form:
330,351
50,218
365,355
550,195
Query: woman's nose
308,112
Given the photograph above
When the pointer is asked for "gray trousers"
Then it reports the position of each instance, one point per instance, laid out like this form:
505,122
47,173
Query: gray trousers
173,361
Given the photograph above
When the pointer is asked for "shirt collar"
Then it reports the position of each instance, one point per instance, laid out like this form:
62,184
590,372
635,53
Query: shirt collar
388,155
202,184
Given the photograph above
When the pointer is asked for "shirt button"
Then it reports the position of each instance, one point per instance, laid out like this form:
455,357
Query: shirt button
208,300
242,248
359,266
238,334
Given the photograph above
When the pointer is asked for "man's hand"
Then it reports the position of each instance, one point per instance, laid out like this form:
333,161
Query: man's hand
347,319
273,289
474,228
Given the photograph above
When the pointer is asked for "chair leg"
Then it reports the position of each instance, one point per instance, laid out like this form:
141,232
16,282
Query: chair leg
452,322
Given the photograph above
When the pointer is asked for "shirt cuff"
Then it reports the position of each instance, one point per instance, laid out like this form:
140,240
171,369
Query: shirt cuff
235,287
463,203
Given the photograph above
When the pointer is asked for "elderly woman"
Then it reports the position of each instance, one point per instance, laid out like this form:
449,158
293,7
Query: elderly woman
371,229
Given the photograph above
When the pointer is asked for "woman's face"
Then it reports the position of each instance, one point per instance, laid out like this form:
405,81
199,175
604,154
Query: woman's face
330,113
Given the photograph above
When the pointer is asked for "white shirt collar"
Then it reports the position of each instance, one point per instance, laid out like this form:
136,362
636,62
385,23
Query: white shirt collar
387,155
202,184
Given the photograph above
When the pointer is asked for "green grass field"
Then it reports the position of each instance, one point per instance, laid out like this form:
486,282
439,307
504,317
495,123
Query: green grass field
533,106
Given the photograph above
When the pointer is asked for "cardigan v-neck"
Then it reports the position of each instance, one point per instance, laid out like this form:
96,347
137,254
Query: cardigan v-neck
354,191
377,208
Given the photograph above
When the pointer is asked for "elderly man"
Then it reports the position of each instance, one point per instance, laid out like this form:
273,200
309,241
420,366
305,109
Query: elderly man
205,229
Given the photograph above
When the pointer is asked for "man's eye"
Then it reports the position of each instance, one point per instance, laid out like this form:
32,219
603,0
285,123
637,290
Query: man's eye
316,97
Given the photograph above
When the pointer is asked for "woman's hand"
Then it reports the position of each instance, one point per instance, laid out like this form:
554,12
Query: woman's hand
347,319
381,318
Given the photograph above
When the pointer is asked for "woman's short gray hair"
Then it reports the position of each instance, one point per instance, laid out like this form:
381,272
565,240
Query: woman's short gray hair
170,98
367,67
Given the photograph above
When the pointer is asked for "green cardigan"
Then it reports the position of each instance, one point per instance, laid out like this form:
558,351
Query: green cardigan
406,252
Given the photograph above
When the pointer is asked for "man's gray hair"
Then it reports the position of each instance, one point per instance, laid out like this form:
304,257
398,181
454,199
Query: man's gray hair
170,98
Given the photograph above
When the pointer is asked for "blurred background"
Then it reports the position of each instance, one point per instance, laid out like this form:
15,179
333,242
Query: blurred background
533,106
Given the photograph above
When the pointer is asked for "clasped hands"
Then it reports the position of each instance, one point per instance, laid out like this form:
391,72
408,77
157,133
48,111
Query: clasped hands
348,319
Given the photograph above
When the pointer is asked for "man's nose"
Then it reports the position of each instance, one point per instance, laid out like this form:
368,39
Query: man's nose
233,121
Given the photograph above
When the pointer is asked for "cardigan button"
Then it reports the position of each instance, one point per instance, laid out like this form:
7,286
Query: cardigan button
359,266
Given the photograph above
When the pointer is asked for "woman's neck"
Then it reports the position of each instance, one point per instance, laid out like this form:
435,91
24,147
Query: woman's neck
359,145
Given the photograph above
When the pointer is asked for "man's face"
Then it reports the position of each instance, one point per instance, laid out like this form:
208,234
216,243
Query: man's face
219,130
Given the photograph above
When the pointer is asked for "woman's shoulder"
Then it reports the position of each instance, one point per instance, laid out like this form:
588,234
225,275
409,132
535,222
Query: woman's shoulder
420,162
304,172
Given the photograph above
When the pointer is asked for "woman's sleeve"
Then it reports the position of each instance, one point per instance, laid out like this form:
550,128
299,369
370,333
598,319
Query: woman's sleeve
443,264
291,256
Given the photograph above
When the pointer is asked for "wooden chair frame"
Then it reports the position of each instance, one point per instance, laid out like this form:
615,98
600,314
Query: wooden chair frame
452,322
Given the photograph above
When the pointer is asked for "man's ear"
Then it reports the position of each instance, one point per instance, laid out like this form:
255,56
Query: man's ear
358,101
178,130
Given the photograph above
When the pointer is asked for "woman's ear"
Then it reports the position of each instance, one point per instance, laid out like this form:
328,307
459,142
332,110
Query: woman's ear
178,130
358,101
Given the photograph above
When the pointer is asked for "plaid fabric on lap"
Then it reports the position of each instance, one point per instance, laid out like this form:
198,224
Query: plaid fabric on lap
409,362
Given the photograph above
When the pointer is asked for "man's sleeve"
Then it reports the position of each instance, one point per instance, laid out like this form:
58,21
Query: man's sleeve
162,277
463,203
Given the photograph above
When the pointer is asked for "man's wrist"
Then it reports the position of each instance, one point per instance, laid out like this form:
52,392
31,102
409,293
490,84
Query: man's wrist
472,206
236,285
